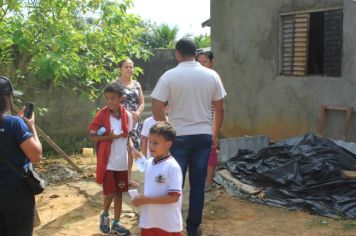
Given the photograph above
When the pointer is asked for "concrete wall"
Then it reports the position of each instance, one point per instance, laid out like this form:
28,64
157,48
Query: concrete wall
69,113
161,61
245,40
68,116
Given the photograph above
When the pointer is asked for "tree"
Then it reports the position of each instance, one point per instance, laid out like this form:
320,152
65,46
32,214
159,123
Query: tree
6,7
159,36
165,35
75,44
202,41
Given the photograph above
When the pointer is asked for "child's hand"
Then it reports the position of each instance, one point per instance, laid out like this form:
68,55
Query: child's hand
135,154
135,115
114,136
139,200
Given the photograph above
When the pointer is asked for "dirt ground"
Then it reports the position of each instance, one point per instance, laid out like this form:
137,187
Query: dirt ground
72,206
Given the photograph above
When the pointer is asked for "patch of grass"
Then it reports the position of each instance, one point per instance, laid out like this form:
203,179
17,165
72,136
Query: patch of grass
348,225
317,222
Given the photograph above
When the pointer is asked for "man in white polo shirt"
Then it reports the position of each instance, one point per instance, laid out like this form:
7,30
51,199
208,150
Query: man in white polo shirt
190,89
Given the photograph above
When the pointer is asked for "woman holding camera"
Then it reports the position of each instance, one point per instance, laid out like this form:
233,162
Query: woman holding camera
19,145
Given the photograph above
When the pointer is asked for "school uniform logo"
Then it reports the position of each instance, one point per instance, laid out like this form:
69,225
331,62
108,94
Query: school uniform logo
121,184
160,179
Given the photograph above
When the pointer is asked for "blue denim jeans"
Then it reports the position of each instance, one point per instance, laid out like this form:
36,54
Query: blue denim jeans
193,151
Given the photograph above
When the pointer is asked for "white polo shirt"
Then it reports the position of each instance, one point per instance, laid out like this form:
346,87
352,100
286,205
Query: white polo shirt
161,178
118,159
147,124
189,89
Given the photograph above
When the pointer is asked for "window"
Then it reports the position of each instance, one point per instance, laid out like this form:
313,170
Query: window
312,43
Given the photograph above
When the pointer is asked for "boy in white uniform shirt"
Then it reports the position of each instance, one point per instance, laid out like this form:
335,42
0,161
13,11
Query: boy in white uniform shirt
161,202
147,124
112,155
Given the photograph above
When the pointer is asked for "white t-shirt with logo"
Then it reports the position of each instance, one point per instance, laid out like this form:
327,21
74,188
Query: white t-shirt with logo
190,88
118,158
147,124
161,178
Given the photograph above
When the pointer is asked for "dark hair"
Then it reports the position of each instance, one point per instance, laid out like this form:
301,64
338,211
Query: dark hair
208,54
165,129
186,47
121,63
3,105
114,88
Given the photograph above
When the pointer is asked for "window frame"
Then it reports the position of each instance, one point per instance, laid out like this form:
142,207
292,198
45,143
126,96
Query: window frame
280,54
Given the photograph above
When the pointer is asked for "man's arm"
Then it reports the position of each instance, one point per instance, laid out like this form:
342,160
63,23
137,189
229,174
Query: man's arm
218,119
158,110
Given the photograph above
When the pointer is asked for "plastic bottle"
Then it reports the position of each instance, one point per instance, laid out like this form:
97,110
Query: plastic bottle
101,131
141,163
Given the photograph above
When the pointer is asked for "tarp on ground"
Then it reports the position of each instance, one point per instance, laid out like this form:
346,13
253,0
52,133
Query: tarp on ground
301,173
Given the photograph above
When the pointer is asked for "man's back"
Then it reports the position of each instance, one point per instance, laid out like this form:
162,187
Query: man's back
190,88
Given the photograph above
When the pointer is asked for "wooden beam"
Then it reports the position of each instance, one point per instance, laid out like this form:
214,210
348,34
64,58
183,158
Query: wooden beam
347,123
57,149
338,108
310,11
348,174
244,187
321,121
52,144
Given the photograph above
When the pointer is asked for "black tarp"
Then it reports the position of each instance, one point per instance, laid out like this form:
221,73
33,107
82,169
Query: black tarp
301,173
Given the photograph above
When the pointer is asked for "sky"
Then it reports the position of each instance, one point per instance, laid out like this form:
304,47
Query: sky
186,14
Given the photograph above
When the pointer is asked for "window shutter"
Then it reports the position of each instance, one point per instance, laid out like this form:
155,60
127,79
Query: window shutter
333,42
300,49
287,44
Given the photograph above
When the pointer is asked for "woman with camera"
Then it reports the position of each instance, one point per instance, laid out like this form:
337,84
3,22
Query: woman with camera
19,146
